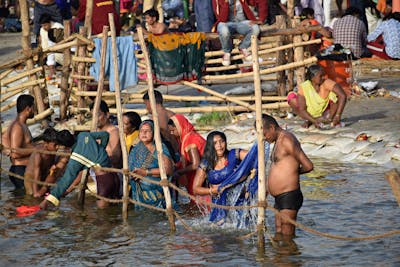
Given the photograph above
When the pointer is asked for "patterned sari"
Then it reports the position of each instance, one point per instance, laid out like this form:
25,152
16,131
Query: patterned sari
142,191
238,185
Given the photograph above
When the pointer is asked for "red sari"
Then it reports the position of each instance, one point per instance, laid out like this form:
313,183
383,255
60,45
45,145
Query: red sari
189,139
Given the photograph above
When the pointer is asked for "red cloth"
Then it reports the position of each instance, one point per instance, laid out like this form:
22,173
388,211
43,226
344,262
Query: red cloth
23,211
377,48
101,8
189,138
221,10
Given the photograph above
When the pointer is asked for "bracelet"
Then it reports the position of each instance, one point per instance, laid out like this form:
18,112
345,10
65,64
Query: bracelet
210,191
148,172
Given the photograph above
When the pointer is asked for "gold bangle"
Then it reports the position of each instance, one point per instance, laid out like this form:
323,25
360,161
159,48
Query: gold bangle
148,172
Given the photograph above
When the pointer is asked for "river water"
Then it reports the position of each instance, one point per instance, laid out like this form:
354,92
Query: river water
339,198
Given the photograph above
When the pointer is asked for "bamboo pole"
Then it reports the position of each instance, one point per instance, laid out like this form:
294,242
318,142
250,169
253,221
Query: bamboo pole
81,69
270,106
13,93
265,71
60,47
237,66
4,74
16,77
280,58
260,144
212,92
393,178
125,166
13,63
182,98
83,59
298,54
157,134
22,85
235,50
8,106
93,127
88,17
82,77
38,117
234,80
64,87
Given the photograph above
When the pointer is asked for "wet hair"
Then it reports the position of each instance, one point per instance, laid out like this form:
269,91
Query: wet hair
103,107
45,18
50,135
157,95
134,119
395,15
152,13
65,138
209,150
24,101
307,12
312,71
268,121
171,122
354,11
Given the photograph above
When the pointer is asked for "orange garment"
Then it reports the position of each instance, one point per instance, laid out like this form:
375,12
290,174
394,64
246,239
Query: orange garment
189,139
381,6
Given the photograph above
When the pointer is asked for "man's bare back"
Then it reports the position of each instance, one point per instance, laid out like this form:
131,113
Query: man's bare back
18,136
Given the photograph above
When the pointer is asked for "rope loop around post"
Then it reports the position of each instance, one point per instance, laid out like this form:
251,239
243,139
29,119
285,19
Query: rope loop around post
262,204
164,182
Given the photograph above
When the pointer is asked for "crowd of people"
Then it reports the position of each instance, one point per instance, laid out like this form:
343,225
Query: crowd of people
208,170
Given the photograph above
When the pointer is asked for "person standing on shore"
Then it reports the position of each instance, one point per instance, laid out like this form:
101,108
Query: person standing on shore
19,136
288,161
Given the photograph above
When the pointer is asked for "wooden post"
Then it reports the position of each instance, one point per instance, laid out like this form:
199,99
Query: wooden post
119,116
93,127
298,54
88,17
289,39
157,135
260,144
26,47
393,178
64,88
81,71
280,58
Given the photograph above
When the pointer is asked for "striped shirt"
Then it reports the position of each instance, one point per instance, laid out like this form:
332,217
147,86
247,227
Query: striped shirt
350,32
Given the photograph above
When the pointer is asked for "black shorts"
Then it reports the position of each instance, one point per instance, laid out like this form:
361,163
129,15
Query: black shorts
108,185
292,200
20,170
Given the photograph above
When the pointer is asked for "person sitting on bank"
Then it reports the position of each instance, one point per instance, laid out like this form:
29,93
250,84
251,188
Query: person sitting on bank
319,100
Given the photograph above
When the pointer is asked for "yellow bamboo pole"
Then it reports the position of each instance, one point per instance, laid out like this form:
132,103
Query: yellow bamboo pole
60,47
83,59
64,87
119,116
212,92
22,85
20,76
88,17
157,134
260,144
4,74
8,106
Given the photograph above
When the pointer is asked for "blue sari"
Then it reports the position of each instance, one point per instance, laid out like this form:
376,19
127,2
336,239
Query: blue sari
143,191
238,186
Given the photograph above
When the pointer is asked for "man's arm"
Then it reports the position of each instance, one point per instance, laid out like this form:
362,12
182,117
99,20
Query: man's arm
36,172
342,98
305,164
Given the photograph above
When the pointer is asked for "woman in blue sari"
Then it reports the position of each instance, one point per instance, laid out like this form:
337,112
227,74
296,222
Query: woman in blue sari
231,175
143,161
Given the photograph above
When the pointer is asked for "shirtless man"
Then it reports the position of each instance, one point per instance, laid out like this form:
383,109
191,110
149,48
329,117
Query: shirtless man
163,117
19,136
104,124
39,163
288,161
153,26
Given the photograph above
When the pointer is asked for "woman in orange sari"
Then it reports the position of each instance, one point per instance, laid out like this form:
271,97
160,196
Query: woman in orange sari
191,145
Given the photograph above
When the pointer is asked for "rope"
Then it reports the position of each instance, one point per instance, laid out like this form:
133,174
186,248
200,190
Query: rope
261,204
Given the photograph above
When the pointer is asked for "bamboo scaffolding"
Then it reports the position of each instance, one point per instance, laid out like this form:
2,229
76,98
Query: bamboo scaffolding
13,63
83,59
157,135
82,77
16,77
22,85
280,58
125,166
260,144
60,47
81,65
237,66
13,93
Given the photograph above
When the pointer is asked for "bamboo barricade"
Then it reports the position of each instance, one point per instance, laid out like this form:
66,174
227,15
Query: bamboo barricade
82,67
260,145
125,164
157,135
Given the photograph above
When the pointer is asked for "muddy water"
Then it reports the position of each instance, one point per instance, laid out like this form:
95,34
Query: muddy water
340,199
